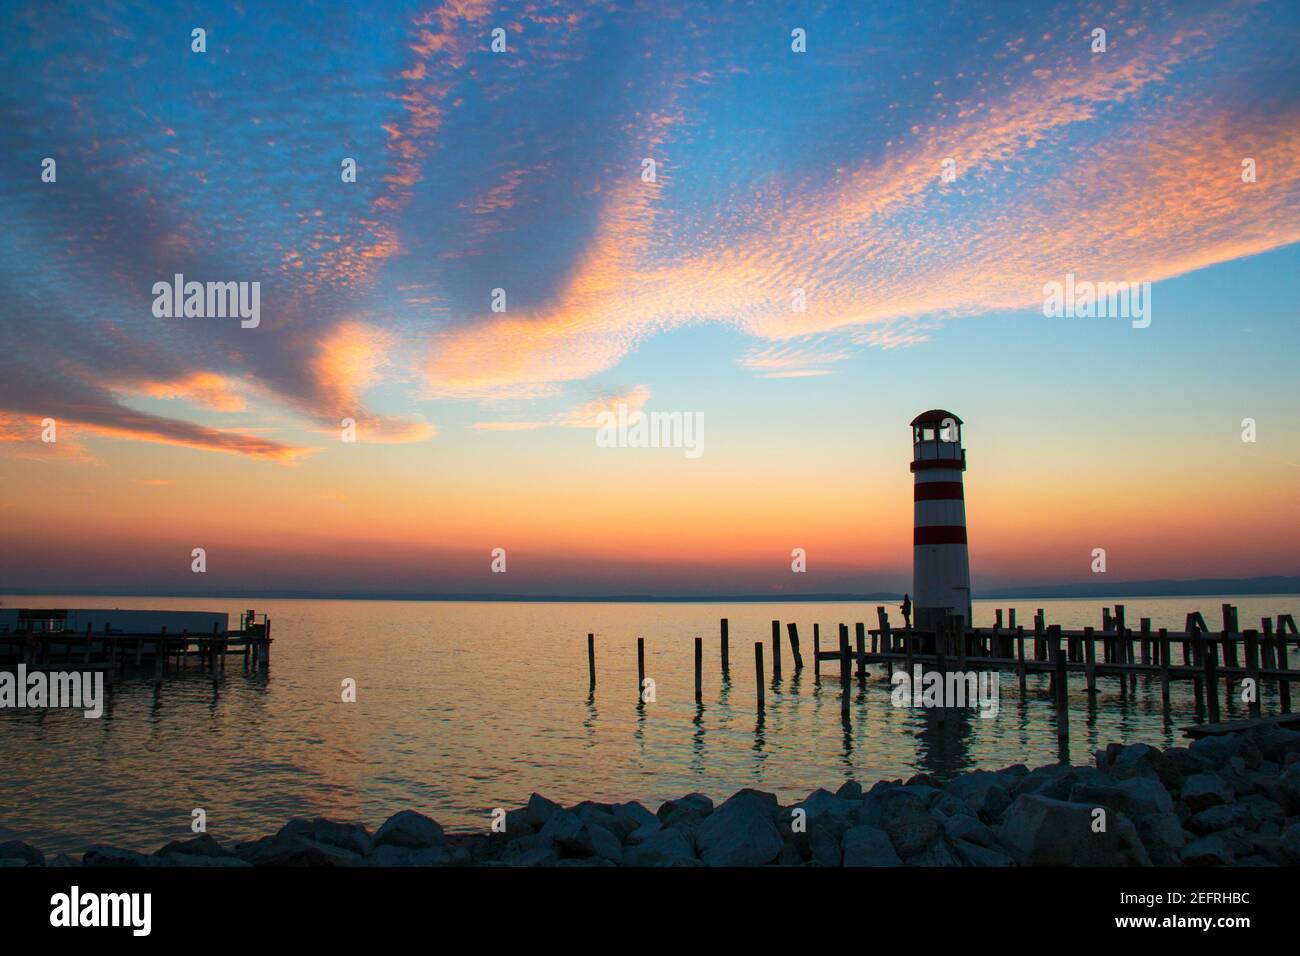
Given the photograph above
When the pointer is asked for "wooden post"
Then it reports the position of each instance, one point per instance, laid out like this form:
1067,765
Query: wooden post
758,673
776,650
1211,655
1229,628
640,666
1270,657
793,630
699,668
1053,649
860,633
1090,658
1020,657
591,661
726,662
1252,669
1038,636
817,651
1062,698
997,620
1144,625
266,653
1164,666
844,669
158,657
1283,664
1011,618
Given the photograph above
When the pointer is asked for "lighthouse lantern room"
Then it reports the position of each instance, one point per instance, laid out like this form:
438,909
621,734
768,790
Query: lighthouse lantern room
940,563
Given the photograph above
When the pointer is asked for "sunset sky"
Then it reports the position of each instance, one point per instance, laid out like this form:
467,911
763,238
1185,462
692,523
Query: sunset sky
775,171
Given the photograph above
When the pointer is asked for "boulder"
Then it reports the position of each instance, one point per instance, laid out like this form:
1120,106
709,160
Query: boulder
1210,850
1142,760
849,790
972,854
538,856
411,830
349,836
1289,844
296,851
1218,752
865,845
1203,790
936,854
984,792
390,855
201,845
687,812
631,817
968,828
1040,831
1223,816
903,816
539,810
741,831
1290,783
17,849
668,846
113,856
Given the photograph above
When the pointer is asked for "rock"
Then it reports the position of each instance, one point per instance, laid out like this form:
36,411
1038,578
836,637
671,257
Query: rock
823,846
348,836
968,828
1277,743
113,856
1219,751
201,845
849,790
63,861
643,833
903,816
1222,816
539,810
294,851
602,843
1142,760
823,803
1262,810
1290,844
192,861
687,812
1210,850
984,792
1040,831
13,862
517,823
391,855
865,845
1145,801
668,846
972,854
411,830
1290,781
1204,790
631,818
601,814
564,830
17,849
936,854
538,856
741,831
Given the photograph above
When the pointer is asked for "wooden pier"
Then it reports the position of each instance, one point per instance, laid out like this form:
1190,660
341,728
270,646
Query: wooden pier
42,644
1233,661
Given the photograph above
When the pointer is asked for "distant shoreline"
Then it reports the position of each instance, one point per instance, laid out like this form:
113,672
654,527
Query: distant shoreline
1203,587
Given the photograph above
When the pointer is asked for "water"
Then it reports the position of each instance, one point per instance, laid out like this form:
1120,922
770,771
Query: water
464,707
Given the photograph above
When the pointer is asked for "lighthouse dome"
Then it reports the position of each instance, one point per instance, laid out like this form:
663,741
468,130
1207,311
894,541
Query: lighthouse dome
934,416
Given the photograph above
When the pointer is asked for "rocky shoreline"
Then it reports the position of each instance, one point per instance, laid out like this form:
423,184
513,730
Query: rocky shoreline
1228,800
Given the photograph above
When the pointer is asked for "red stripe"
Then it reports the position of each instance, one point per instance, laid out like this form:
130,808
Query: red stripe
938,491
939,534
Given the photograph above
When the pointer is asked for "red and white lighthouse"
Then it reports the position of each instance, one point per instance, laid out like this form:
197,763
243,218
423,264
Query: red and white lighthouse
940,564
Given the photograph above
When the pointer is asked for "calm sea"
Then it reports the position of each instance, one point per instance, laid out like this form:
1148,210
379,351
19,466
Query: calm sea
464,707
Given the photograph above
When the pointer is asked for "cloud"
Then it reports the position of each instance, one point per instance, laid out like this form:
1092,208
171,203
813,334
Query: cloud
583,416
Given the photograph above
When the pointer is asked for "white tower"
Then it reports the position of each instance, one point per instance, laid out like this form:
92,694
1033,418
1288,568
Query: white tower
940,564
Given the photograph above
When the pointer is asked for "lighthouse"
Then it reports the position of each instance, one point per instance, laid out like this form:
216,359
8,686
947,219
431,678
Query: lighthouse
940,564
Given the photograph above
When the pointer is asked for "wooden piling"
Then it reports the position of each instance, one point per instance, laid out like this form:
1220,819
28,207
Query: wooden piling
844,669
776,650
1020,657
1090,656
793,630
1062,698
758,674
1252,670
591,661
1211,664
158,657
726,663
699,669
1011,618
817,651
1283,664
640,666
860,634
1164,666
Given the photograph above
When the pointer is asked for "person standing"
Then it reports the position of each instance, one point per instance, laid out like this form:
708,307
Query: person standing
906,608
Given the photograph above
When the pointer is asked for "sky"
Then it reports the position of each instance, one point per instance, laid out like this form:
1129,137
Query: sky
623,206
